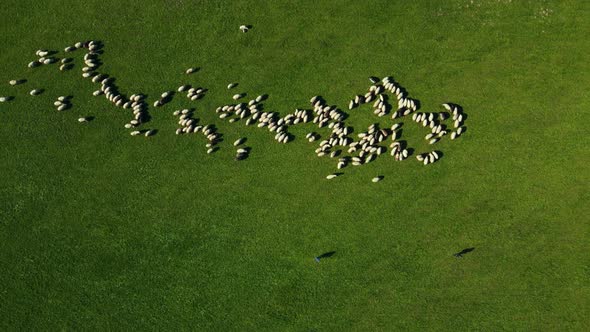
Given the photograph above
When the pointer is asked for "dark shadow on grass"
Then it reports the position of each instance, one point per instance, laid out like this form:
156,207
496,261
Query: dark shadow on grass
463,252
324,255
242,156
418,103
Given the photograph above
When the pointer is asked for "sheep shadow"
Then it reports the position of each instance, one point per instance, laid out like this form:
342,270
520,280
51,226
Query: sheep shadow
417,103
324,255
168,98
241,156
463,252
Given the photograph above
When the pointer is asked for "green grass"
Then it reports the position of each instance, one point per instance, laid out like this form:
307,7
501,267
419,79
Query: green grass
101,230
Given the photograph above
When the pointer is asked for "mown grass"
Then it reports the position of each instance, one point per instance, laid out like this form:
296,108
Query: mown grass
100,230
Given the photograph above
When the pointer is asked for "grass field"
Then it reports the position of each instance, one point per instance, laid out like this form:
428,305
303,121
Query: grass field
103,231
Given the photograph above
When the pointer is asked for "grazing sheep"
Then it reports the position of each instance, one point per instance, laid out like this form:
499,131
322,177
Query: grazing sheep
191,70
377,179
35,92
239,141
232,85
237,96
183,88
83,119
331,176
62,107
244,28
432,141
150,133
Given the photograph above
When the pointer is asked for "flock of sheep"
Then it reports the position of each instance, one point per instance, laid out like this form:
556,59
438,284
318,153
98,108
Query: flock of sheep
386,96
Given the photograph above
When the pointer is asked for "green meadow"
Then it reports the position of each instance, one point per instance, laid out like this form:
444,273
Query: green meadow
100,230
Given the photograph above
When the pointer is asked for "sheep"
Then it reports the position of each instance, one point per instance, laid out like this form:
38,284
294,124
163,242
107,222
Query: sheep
35,92
62,107
191,70
432,141
460,130
244,28
331,176
83,119
34,64
237,96
183,88
239,141
16,82
232,85
377,179
149,133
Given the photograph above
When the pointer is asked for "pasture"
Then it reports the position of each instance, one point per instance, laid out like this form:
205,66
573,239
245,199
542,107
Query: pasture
103,230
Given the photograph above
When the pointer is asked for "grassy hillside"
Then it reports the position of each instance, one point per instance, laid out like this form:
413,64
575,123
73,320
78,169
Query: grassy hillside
101,230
